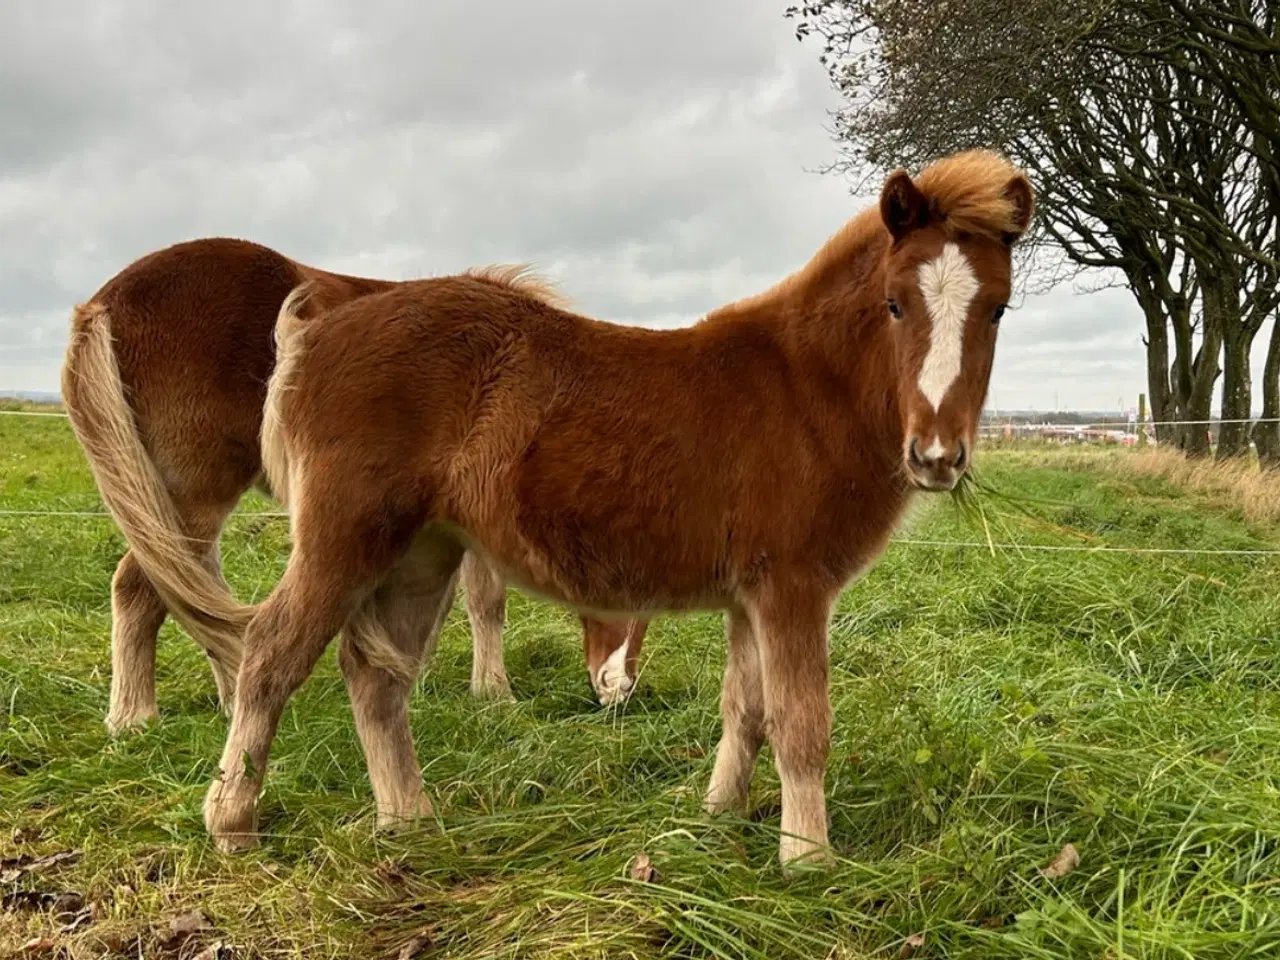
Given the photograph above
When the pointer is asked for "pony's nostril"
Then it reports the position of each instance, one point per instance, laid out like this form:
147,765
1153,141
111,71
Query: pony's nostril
962,456
913,454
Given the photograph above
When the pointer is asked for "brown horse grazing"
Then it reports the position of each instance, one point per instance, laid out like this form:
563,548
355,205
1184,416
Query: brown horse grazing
165,379
753,463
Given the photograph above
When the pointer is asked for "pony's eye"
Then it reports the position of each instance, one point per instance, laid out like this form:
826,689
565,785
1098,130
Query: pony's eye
995,318
894,309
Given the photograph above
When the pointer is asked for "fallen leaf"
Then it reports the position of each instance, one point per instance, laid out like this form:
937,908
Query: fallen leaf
75,921
26,900
184,930
38,945
27,834
13,869
1068,859
392,872
995,922
642,869
911,945
185,924
216,951
417,945
67,905
78,922
117,941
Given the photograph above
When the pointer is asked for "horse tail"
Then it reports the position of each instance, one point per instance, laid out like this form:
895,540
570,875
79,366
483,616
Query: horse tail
136,495
289,345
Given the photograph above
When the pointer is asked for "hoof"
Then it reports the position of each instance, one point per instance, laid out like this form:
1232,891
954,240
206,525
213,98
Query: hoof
398,821
798,855
492,688
231,815
123,723
717,806
236,842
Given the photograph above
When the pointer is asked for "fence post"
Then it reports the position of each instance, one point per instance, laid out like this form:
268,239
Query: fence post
1142,420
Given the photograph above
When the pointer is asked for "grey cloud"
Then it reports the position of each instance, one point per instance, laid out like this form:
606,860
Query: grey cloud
654,157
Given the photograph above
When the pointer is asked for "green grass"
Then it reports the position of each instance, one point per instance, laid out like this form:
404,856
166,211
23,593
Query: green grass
989,708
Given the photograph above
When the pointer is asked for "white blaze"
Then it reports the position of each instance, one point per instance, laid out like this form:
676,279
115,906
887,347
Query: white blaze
949,286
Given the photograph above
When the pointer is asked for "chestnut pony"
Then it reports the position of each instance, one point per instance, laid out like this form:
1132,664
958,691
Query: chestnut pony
165,379
752,463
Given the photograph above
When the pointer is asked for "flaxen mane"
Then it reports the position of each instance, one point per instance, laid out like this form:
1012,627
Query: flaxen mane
966,196
520,276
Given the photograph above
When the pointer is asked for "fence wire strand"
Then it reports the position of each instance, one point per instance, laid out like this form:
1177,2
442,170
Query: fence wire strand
903,541
992,547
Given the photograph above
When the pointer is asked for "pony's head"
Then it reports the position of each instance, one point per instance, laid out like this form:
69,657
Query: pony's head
948,274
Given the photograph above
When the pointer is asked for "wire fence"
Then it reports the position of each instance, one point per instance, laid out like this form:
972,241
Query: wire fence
987,545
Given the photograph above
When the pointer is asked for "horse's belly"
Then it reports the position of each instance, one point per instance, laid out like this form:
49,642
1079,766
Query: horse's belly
603,577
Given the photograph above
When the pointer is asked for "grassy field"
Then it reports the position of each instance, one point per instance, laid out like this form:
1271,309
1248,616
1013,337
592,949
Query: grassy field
990,708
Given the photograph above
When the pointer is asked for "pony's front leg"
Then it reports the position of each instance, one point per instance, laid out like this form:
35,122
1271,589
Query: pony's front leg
790,626
282,644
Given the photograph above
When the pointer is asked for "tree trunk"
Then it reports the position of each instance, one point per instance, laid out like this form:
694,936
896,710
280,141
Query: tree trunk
1266,434
1199,403
1189,404
1237,398
1163,408
1222,310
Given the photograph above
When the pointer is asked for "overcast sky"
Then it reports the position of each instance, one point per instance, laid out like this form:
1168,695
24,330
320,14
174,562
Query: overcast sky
658,158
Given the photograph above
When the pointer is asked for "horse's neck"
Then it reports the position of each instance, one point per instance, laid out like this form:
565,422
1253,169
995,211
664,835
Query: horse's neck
842,352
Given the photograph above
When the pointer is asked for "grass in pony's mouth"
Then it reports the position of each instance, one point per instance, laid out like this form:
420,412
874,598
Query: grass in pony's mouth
989,708
964,495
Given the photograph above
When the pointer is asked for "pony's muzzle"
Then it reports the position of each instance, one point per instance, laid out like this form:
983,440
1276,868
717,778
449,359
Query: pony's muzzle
938,466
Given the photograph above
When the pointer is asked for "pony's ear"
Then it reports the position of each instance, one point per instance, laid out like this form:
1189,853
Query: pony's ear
1018,192
903,207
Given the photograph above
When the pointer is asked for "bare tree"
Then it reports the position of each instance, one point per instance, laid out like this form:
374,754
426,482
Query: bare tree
1148,129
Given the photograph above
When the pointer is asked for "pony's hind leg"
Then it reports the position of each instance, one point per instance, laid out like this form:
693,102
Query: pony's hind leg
382,651
282,644
790,628
742,713
224,674
342,551
137,613
486,593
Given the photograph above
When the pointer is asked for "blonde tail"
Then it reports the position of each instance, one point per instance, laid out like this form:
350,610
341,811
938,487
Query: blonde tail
275,455
137,497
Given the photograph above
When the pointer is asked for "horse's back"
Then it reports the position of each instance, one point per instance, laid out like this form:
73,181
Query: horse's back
543,430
